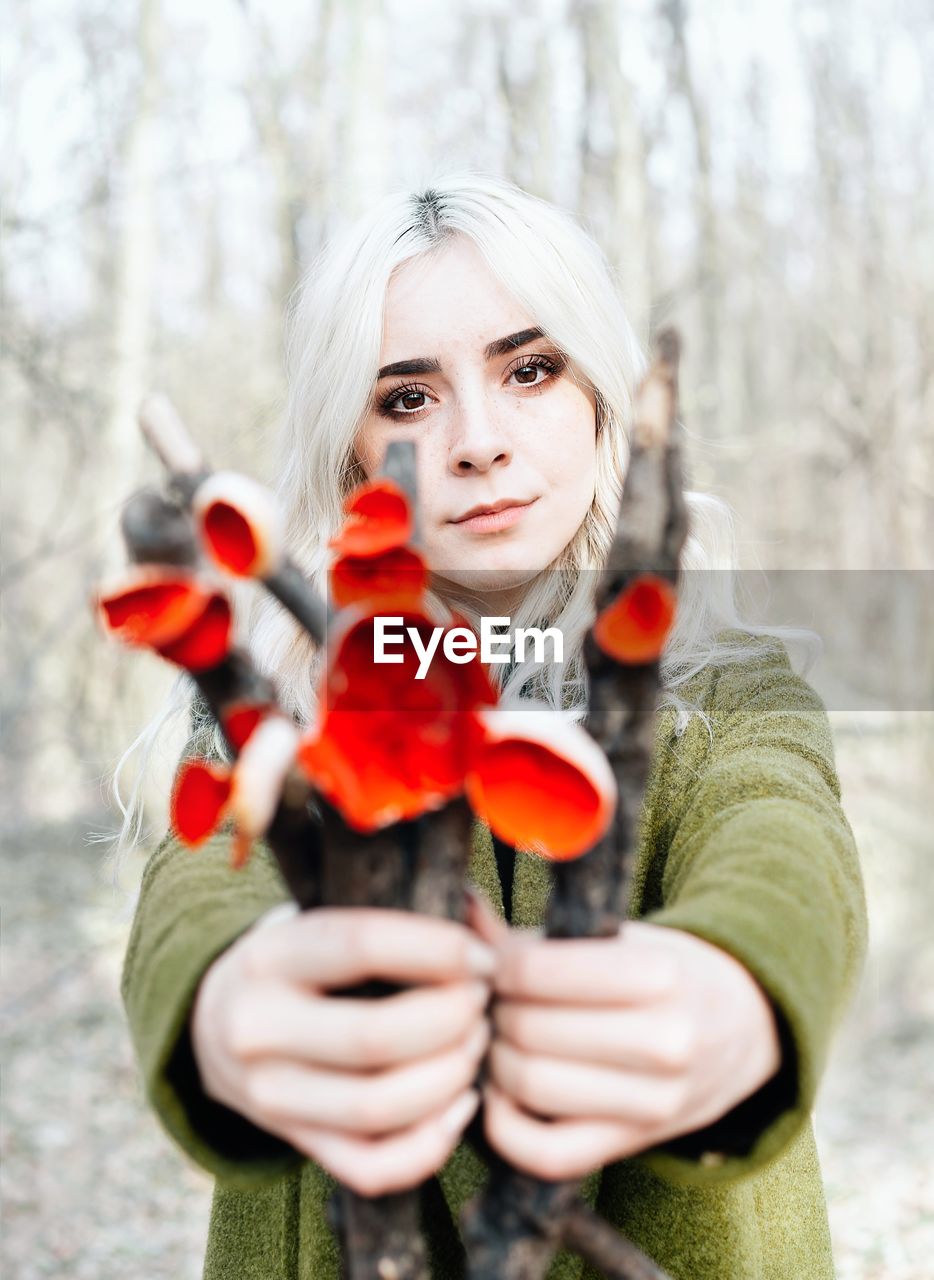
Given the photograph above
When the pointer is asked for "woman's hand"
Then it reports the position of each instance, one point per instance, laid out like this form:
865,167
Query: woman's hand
621,1043
377,1091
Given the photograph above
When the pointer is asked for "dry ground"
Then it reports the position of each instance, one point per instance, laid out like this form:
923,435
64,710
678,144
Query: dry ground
93,1190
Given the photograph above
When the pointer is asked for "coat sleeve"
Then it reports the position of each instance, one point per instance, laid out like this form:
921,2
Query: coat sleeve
191,906
762,862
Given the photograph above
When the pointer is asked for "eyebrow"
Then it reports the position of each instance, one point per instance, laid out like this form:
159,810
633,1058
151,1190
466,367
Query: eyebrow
430,364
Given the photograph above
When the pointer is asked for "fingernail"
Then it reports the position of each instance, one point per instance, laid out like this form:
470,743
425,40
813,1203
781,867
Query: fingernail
460,1111
481,960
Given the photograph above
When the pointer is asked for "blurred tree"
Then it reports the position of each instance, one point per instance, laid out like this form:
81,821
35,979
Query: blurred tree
171,172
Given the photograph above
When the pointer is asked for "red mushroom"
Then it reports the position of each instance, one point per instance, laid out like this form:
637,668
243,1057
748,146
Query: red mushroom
388,746
540,782
240,523
394,578
199,801
378,518
170,611
633,628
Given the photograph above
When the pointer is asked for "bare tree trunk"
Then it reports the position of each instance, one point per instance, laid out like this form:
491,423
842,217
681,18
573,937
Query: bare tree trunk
363,175
844,329
527,104
708,258
616,180
120,450
299,165
102,683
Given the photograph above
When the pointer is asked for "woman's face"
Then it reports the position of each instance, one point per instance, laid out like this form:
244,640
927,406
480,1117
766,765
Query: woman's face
489,425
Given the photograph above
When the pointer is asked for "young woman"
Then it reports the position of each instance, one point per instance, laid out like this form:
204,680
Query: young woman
675,1066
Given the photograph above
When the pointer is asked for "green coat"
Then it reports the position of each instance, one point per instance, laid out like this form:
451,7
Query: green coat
742,842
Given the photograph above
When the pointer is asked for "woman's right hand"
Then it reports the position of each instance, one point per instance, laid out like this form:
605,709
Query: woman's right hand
378,1091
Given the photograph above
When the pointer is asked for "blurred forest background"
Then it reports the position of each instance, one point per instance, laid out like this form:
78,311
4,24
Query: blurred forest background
759,173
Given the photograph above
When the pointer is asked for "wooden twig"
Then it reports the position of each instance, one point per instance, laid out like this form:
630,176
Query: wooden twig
188,472
514,1228
159,529
321,859
416,865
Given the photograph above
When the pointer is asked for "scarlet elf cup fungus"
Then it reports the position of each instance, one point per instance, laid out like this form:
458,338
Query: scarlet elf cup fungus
258,778
378,518
392,743
540,782
241,719
384,747
206,794
242,529
387,746
207,641
172,612
199,801
394,577
240,523
633,628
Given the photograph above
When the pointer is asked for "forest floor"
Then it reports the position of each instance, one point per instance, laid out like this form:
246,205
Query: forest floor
94,1190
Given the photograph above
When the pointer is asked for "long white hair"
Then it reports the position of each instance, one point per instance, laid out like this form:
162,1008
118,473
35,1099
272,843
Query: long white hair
559,274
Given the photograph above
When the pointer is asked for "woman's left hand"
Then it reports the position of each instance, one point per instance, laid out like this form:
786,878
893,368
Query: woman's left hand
606,1047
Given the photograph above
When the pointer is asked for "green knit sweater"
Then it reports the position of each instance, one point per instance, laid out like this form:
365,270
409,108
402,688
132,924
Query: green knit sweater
742,842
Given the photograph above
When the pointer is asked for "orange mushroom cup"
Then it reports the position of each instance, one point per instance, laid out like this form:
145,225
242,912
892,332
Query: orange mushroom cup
634,627
540,782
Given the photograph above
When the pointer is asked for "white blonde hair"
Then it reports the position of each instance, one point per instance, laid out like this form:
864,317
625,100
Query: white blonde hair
557,272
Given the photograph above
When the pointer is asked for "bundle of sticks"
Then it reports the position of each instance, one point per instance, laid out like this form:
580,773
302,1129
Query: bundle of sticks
374,804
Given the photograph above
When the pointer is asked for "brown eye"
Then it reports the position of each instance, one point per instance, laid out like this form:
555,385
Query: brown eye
401,394
530,365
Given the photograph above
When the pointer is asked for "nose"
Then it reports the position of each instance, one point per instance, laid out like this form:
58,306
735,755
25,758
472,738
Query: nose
479,440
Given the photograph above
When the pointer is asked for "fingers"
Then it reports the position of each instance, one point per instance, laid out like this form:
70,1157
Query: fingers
481,917
636,1039
374,1167
336,947
557,1087
553,1150
365,1102
633,969
281,1021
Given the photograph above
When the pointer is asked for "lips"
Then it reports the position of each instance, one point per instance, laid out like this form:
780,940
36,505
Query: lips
490,510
